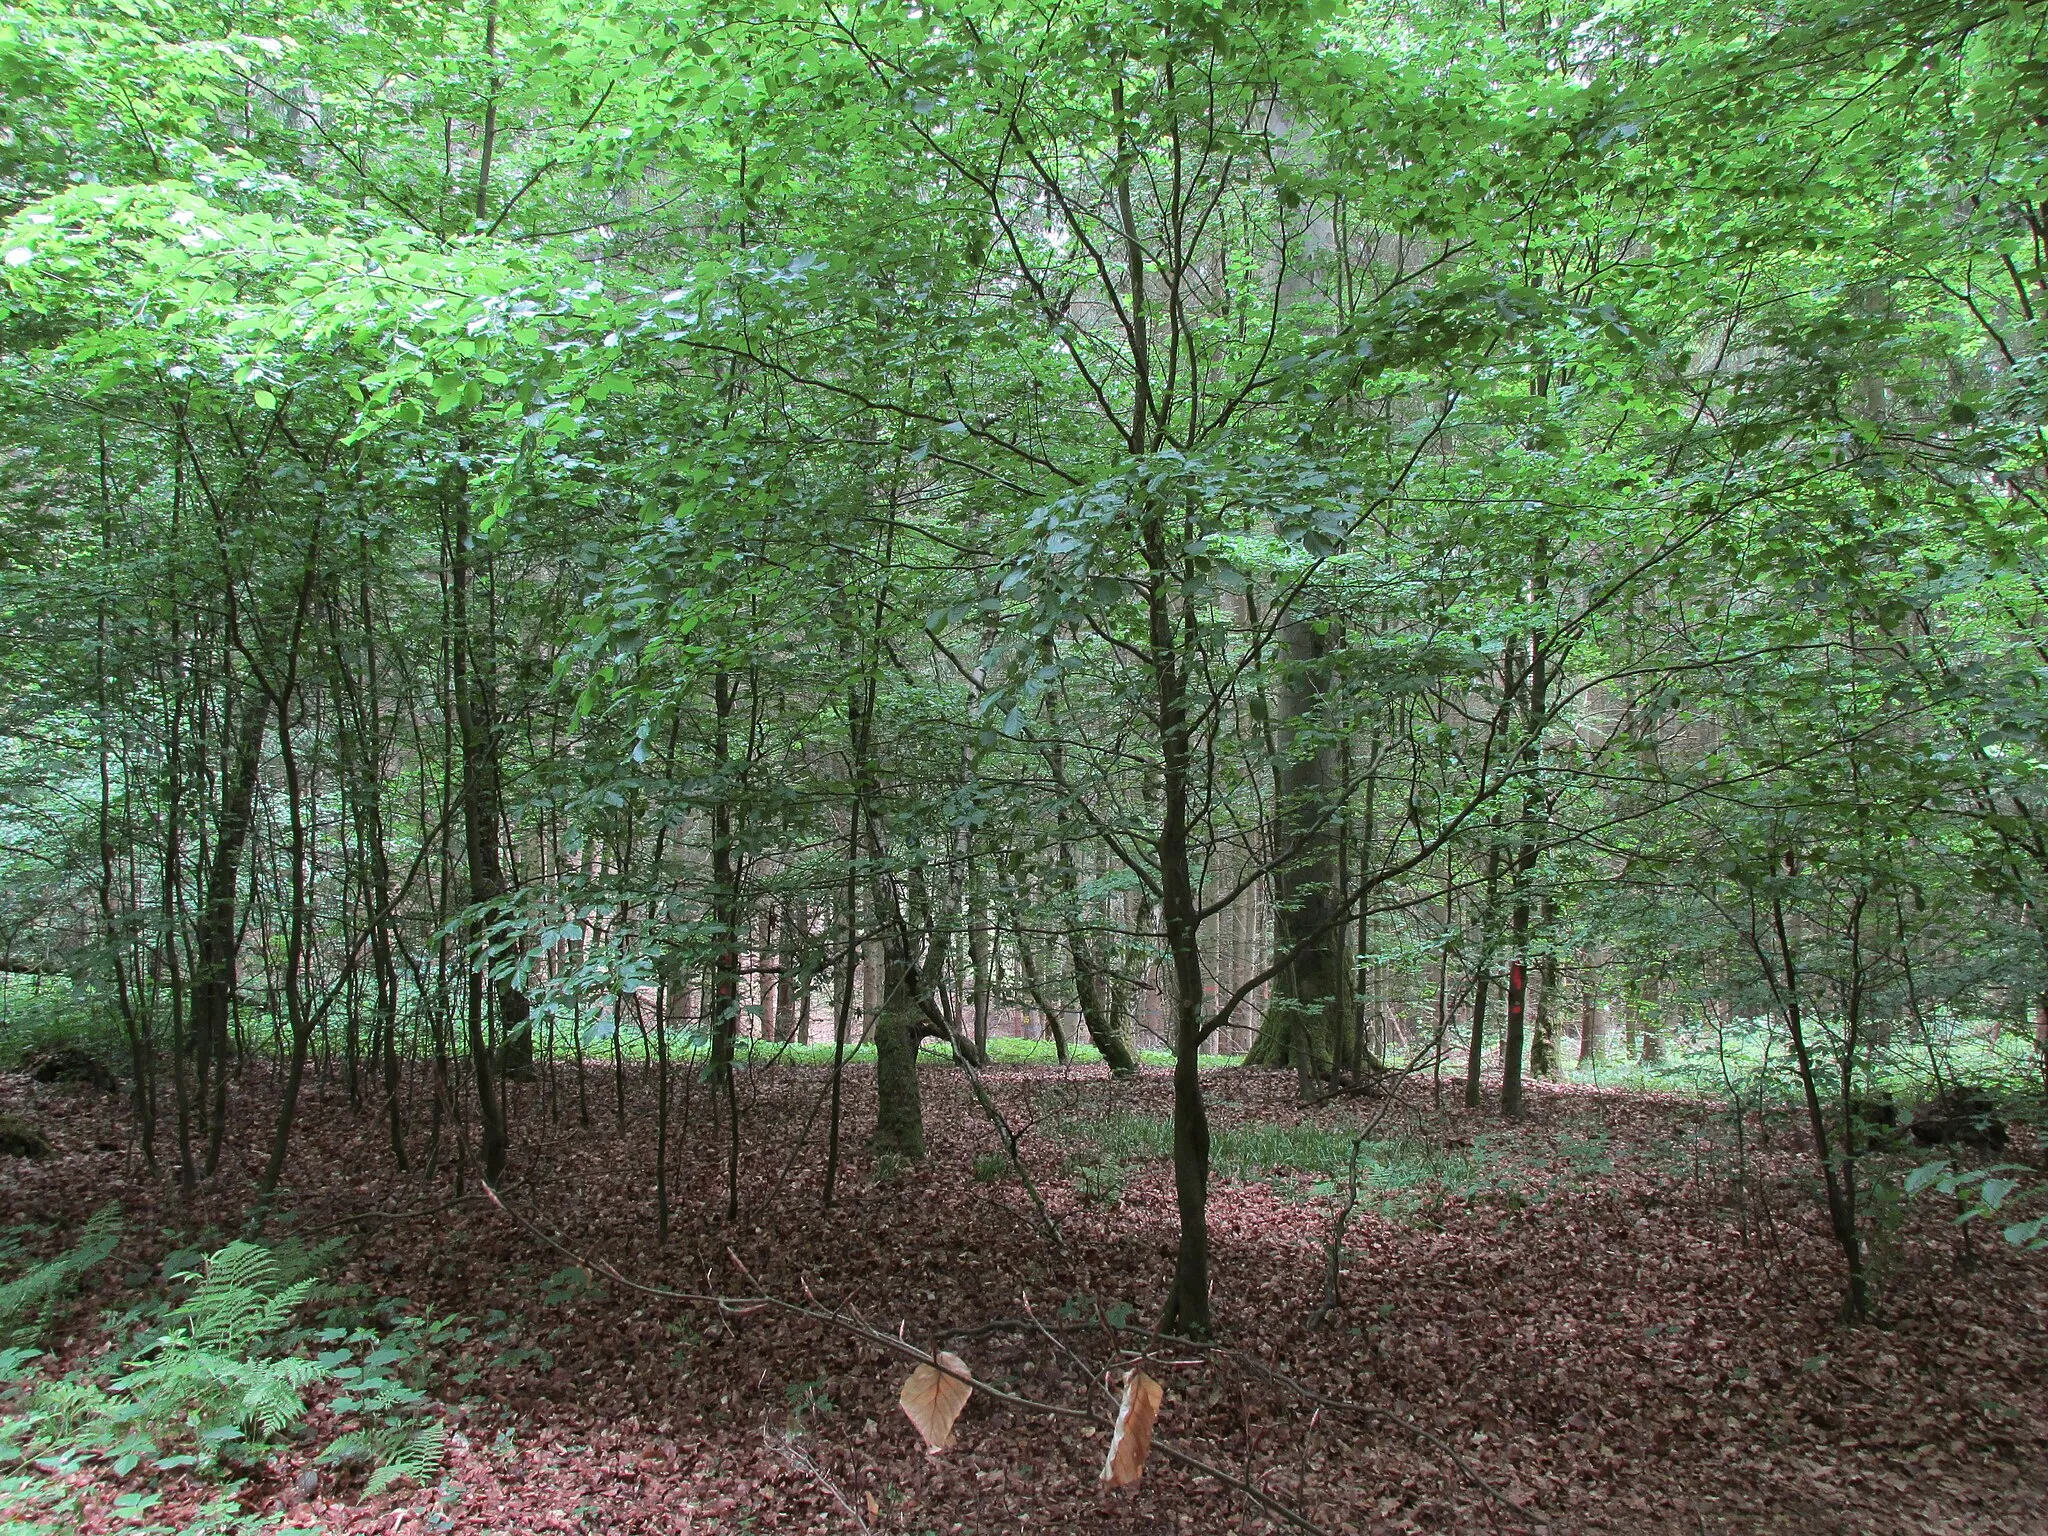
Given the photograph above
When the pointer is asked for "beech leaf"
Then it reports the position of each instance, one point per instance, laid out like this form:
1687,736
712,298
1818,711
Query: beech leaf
933,1400
1132,1442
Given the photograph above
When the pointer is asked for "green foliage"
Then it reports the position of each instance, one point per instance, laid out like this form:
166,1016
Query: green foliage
225,1376
1099,1179
1003,1051
36,1019
809,1399
1981,1193
569,1285
217,1379
1585,462
25,1300
1403,1177
393,1453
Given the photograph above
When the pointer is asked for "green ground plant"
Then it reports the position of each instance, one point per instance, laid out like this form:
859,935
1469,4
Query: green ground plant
214,1381
1401,1176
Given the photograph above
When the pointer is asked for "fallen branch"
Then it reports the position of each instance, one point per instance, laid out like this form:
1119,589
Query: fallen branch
1259,1368
788,1447
895,1343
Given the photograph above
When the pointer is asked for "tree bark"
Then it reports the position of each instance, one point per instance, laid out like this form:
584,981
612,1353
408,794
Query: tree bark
217,930
482,808
1304,1024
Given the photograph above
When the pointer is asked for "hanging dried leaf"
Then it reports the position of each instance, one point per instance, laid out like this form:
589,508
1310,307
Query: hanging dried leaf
933,1399
1132,1442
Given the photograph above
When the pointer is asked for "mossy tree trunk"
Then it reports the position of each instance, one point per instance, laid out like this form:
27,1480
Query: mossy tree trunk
899,1028
1304,1023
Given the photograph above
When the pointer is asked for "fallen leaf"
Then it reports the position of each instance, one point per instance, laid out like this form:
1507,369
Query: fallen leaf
933,1399
1132,1441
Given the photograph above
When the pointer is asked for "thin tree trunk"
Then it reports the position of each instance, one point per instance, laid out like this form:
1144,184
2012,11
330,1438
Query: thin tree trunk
217,932
842,1009
1475,1056
480,817
297,1014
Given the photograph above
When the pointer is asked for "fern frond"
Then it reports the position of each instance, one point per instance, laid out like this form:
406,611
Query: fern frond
416,1456
42,1283
240,1267
358,1447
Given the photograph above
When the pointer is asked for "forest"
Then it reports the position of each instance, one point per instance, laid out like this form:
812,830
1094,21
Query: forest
942,766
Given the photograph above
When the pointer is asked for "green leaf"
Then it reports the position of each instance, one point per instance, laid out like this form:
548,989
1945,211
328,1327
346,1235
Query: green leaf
1927,1173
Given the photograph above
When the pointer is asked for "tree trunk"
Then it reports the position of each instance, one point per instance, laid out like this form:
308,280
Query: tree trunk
1475,1055
297,1015
1091,989
481,810
899,1028
1589,1014
1187,1308
1652,1023
978,956
1543,1043
1304,1023
786,955
361,743
1047,1011
217,932
1840,1189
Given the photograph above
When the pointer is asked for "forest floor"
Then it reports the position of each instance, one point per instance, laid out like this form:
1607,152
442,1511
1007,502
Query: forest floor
1578,1311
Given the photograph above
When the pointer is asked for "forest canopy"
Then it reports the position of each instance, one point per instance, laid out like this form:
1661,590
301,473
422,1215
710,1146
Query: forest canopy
556,553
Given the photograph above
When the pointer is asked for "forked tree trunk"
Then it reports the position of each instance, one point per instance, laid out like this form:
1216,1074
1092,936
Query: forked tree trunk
481,809
217,931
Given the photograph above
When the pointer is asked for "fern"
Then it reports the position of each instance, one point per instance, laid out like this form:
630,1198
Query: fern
396,1453
25,1299
223,1377
213,1372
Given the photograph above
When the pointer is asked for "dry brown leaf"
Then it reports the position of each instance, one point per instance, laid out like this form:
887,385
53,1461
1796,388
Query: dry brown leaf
933,1399
1132,1442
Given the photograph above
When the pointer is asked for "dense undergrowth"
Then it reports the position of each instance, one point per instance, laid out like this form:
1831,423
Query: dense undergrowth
201,1374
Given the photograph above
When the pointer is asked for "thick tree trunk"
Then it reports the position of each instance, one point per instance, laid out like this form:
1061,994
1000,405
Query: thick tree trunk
1029,968
788,924
1543,1040
1092,990
1304,1024
1652,1022
842,1001
362,761
1187,1308
1106,1033
979,946
1513,1040
899,1028
728,918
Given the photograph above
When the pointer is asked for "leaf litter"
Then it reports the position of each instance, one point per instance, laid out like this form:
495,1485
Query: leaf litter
1584,1328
